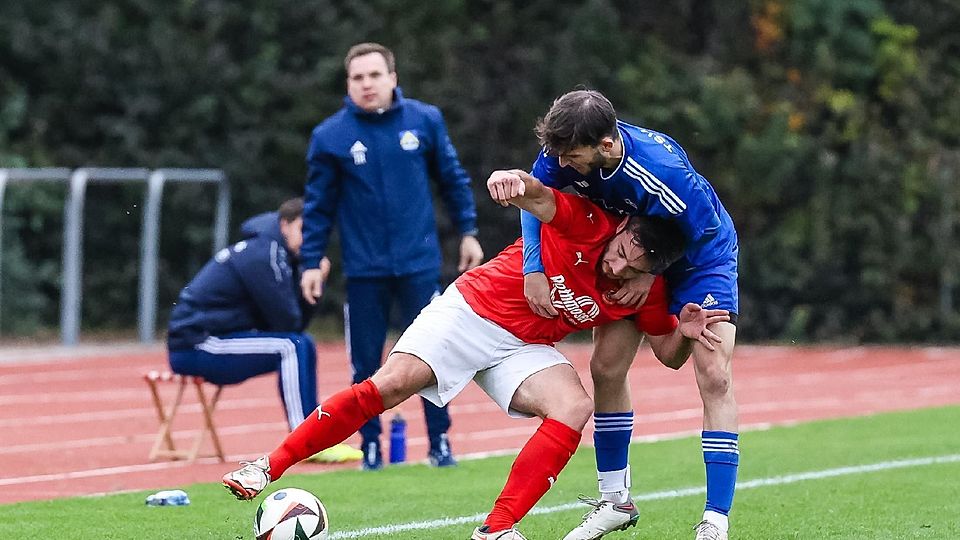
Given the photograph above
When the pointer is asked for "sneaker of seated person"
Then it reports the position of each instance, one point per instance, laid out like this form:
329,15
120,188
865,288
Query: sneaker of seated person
338,453
249,480
482,533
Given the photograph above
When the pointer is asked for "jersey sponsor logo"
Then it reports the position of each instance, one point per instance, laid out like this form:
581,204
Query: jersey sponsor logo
581,309
359,153
409,141
590,217
654,186
580,259
321,412
708,301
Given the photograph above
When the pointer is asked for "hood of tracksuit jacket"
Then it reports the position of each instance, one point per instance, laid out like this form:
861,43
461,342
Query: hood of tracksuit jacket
266,224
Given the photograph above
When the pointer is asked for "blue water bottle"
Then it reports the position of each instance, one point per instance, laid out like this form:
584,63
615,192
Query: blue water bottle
398,439
175,497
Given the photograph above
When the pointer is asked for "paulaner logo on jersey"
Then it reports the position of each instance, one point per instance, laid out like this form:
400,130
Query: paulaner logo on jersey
582,308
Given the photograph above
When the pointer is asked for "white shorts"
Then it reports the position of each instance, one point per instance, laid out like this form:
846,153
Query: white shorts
460,346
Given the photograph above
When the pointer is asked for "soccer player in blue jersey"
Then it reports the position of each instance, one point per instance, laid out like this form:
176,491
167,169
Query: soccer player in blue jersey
631,170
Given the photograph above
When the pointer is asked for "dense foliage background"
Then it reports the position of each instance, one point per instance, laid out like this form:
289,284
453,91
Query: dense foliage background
830,128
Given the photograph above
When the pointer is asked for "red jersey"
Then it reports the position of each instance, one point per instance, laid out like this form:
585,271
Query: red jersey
572,246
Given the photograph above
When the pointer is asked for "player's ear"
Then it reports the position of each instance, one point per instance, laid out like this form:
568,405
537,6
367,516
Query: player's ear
606,145
623,224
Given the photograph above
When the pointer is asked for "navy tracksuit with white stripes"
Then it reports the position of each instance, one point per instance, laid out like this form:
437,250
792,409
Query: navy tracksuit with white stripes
241,316
371,173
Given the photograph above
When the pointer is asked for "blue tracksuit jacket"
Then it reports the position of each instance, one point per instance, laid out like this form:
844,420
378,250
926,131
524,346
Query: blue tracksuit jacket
251,285
370,172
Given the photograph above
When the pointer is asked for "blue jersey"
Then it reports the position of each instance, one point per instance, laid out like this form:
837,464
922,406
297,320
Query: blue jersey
654,178
370,173
251,285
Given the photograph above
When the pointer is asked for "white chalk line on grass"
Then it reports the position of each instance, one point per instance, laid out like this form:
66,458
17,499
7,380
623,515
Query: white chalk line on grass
662,495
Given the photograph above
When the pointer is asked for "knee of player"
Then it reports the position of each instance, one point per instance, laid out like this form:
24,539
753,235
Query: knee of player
576,410
612,375
714,379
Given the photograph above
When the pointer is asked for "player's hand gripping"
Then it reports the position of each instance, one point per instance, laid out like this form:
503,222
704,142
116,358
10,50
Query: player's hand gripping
633,292
536,289
694,322
506,185
312,280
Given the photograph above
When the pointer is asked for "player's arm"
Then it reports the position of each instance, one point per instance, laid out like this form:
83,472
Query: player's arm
673,349
522,190
536,289
454,189
320,201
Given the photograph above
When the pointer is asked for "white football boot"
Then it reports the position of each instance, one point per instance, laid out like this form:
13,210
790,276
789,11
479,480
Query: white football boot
248,481
606,517
510,534
708,531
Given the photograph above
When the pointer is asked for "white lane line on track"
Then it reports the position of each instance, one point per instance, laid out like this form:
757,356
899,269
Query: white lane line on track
662,495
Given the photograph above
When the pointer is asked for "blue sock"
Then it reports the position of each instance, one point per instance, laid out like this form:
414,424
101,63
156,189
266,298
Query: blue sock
611,438
721,455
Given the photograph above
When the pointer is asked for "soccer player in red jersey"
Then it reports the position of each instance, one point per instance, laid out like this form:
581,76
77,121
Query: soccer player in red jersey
482,329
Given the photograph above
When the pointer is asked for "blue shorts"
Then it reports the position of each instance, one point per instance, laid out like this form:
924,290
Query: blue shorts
713,287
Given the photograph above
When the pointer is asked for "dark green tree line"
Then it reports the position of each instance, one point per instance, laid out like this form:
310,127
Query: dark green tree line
829,129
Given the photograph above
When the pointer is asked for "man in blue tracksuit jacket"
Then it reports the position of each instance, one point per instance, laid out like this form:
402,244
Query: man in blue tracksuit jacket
369,170
242,315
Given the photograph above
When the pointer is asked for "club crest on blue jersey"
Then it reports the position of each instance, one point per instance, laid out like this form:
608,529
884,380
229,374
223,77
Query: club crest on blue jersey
409,141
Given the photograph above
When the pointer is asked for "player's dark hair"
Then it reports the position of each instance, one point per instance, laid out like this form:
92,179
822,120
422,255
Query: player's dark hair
577,118
361,49
662,239
291,209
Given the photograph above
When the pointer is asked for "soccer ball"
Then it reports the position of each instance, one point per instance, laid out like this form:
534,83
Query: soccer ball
291,514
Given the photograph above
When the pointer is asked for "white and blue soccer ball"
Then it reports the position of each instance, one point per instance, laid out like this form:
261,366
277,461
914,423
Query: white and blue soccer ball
291,514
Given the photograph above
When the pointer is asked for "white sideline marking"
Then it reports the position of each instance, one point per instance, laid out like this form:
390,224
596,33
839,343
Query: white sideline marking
661,495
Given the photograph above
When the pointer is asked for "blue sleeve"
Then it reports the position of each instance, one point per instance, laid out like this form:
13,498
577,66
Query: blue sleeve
530,226
320,201
267,275
453,181
546,169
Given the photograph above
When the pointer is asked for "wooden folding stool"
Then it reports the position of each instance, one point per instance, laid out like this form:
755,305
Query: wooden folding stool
163,446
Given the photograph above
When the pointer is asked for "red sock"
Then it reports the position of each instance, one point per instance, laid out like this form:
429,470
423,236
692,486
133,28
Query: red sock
533,473
339,417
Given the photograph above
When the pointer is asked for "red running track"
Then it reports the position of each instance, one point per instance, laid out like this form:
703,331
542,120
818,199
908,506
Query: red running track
77,422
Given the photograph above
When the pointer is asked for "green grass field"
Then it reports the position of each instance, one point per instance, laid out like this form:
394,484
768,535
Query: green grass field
812,481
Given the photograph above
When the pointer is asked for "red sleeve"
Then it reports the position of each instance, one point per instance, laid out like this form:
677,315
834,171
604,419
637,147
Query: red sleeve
579,220
653,318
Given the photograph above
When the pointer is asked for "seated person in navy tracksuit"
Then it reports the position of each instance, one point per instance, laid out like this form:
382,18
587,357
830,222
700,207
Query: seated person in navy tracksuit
242,316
